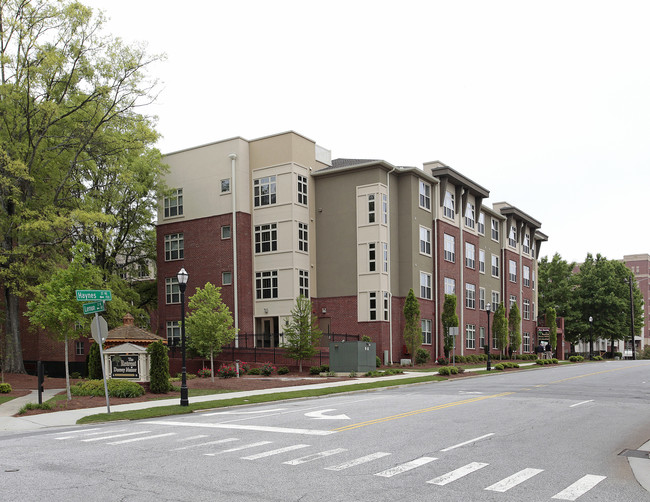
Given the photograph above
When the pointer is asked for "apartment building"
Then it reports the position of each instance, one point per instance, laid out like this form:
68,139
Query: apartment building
639,264
272,218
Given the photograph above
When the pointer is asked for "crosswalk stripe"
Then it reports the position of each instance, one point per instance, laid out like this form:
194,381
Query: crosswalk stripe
115,436
512,481
315,456
220,441
357,461
457,474
275,452
237,448
84,433
191,438
405,467
146,438
76,431
580,487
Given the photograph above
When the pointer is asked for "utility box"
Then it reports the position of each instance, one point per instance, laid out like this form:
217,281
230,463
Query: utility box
353,356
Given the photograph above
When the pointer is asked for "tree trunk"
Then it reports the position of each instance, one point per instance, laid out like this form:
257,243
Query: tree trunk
300,365
212,365
67,370
12,351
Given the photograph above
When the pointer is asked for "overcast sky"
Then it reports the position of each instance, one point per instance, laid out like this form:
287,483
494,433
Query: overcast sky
545,104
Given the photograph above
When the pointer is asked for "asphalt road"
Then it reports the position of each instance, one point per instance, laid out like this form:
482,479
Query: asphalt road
549,434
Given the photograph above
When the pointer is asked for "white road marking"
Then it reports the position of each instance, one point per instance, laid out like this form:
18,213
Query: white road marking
76,431
315,456
270,453
512,481
261,428
146,438
80,433
468,392
115,436
320,414
238,448
405,467
582,402
240,412
580,487
457,474
191,438
468,442
220,441
358,461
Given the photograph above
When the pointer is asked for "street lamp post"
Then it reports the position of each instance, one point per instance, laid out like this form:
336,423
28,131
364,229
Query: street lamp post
489,365
182,277
591,337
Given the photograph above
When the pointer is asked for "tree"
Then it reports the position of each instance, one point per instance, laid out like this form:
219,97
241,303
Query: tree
159,374
412,328
551,320
449,319
301,331
95,363
500,328
556,283
514,325
68,118
55,307
210,325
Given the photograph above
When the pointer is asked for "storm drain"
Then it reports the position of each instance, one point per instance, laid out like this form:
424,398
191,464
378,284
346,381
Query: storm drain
635,454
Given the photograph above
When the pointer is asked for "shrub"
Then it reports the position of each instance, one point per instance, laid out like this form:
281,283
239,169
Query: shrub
618,354
227,371
442,361
267,369
204,373
159,374
422,356
453,370
254,371
116,388
94,363
283,370
540,362
75,374
444,371
325,368
353,374
460,369
377,361
366,338
34,406
499,367
314,370
244,367
5,388
576,359
555,361
597,358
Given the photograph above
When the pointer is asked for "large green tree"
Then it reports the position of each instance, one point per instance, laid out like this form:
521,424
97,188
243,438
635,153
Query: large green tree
551,322
500,328
514,327
210,325
449,319
69,122
301,332
556,282
412,327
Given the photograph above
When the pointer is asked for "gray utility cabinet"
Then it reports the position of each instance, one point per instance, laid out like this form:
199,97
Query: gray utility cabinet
353,356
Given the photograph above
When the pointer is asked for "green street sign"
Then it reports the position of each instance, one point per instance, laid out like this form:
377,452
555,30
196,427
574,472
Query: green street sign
91,308
84,295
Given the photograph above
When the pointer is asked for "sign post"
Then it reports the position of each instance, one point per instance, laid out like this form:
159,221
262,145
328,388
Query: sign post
99,338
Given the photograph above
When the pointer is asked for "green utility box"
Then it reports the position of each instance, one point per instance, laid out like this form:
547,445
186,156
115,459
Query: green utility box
353,356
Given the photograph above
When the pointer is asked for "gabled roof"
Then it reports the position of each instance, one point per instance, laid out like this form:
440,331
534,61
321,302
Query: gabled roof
128,332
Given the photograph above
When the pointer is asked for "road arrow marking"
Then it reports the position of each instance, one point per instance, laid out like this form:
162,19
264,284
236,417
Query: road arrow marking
320,415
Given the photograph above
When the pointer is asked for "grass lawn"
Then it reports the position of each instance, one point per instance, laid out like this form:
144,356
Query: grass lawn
4,399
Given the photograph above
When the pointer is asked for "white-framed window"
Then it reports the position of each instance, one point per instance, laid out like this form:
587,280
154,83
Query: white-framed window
470,336
384,209
527,243
372,257
79,348
450,286
174,247
303,283
225,231
512,270
425,285
470,296
513,300
481,298
480,225
512,237
449,205
143,271
384,255
533,279
495,345
386,306
225,185
266,238
173,333
425,195
226,278
174,203
426,331
470,255
495,300
303,237
527,310
266,284
372,306
526,340
371,208
495,229
470,217
172,292
526,275
481,261
425,241
302,189
495,266
481,337
450,248
264,191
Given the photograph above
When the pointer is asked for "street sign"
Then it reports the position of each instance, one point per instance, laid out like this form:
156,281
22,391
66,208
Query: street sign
84,295
103,330
91,308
